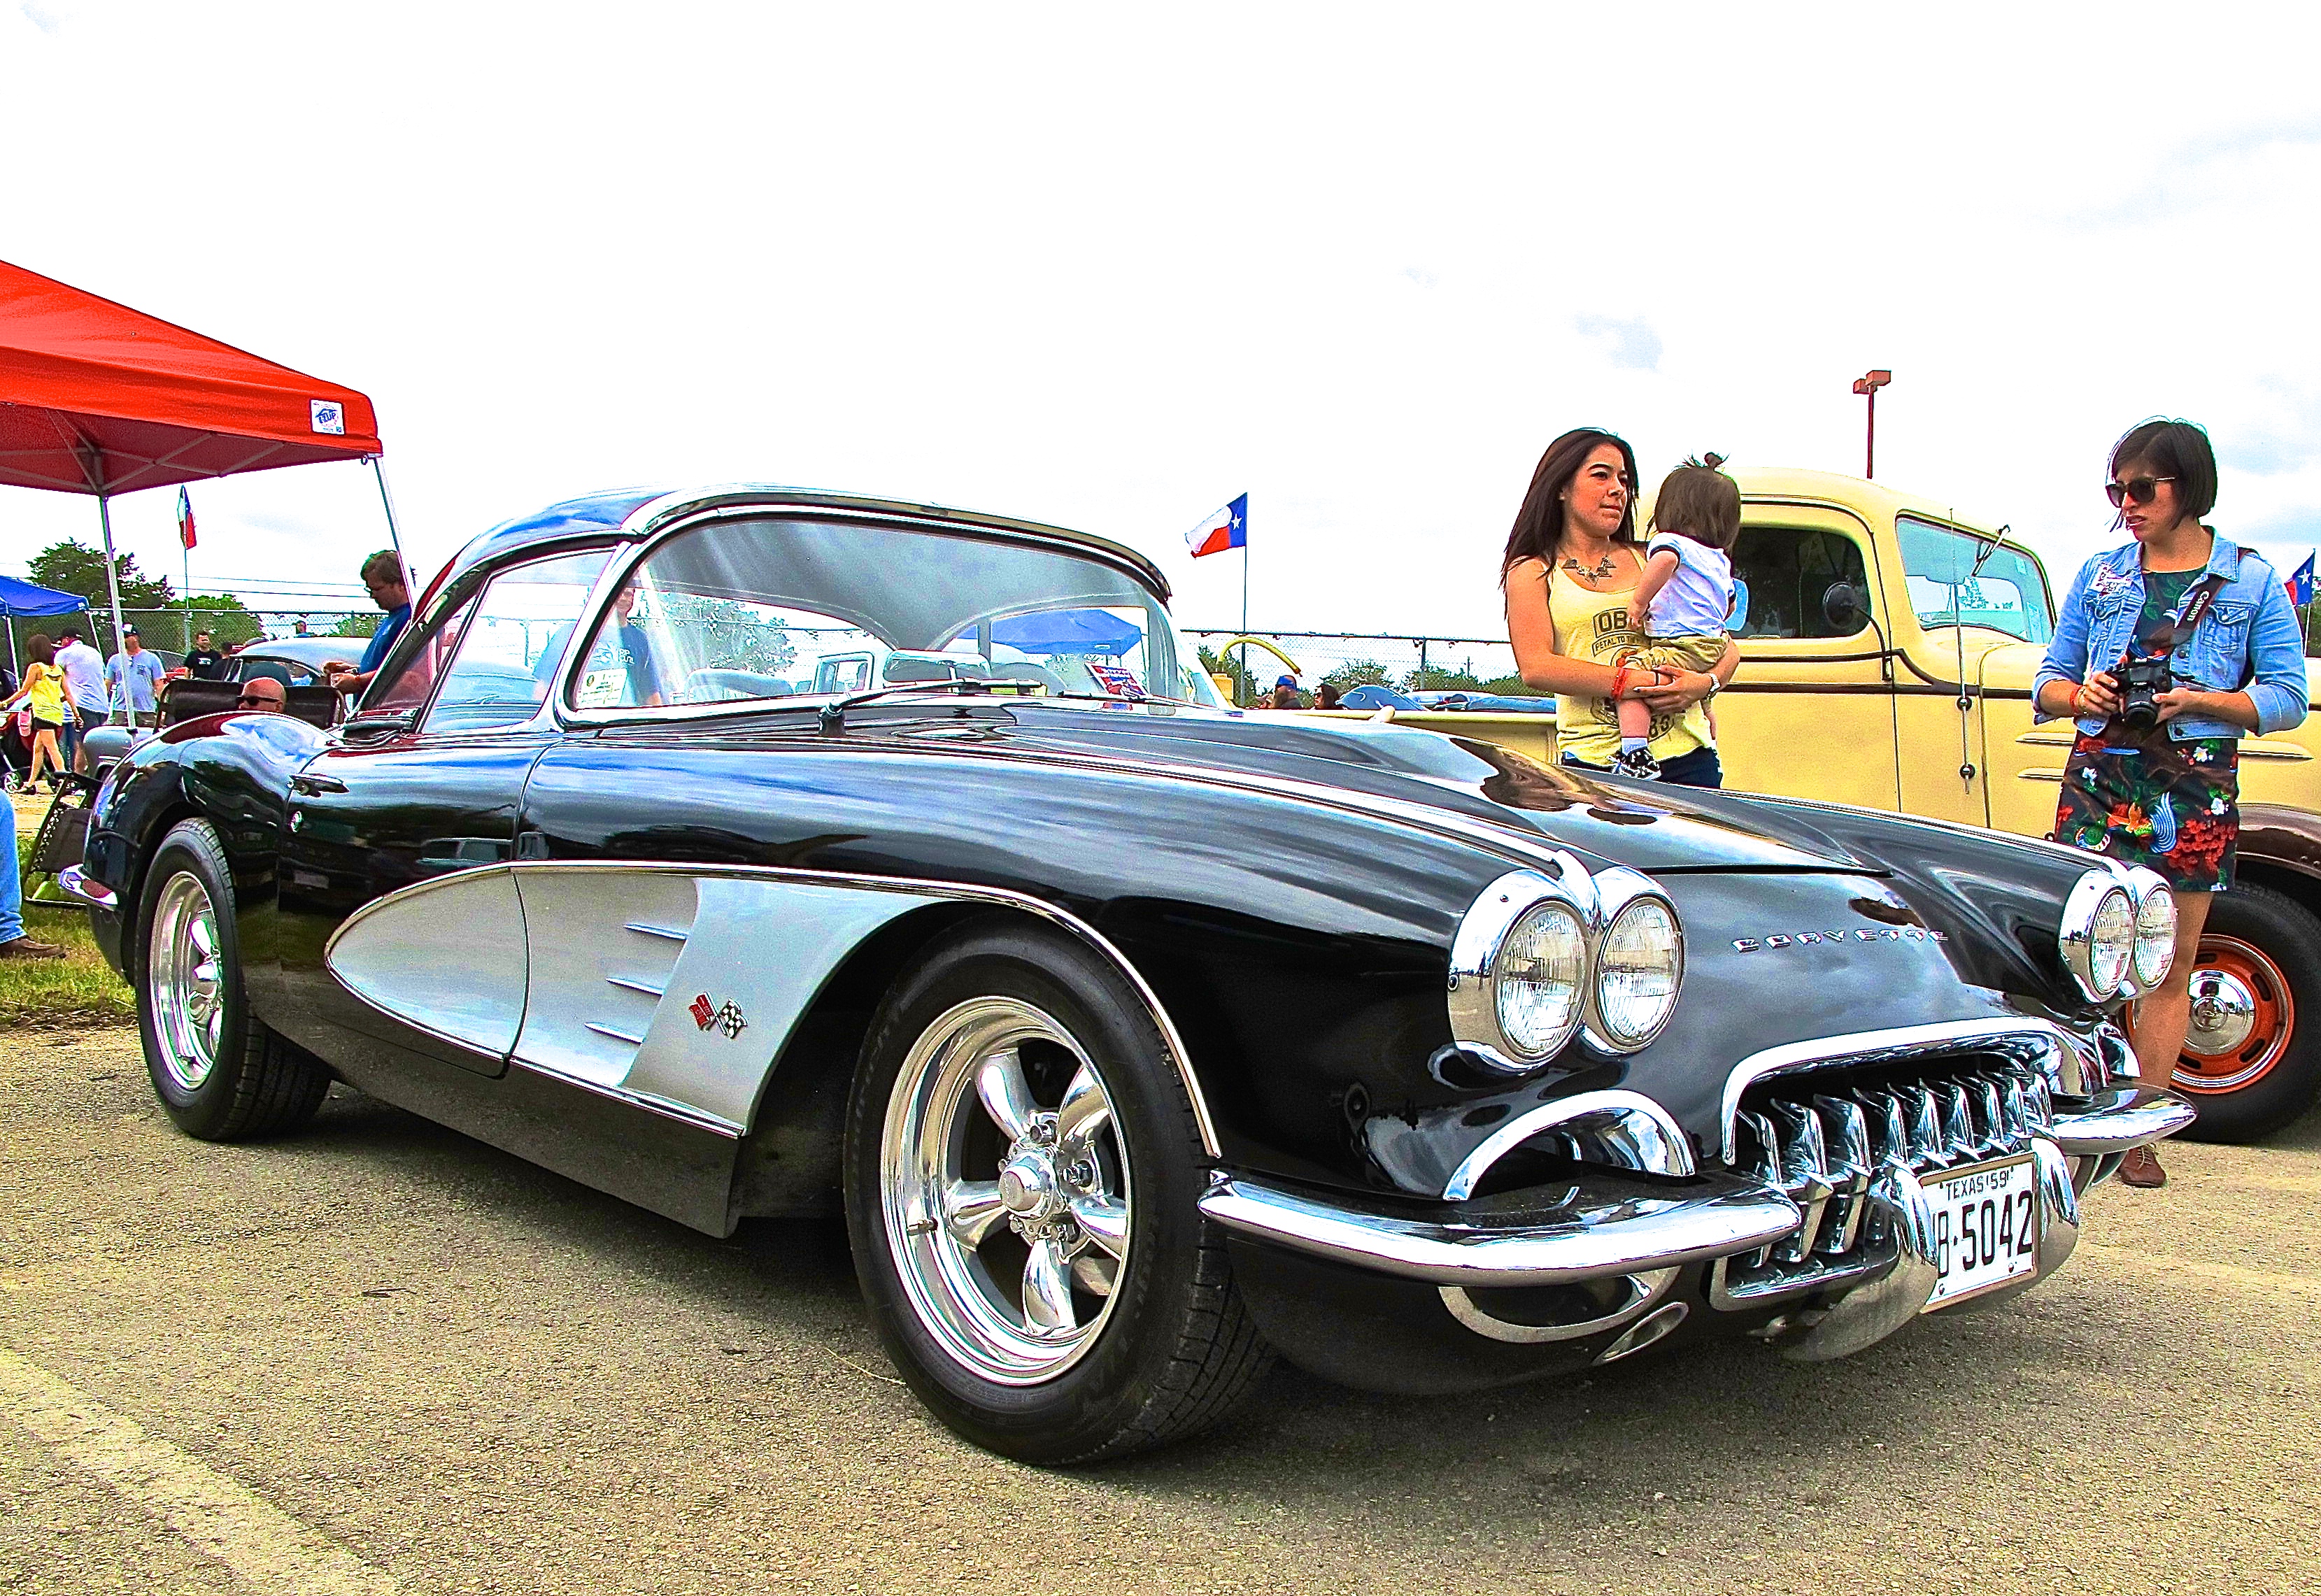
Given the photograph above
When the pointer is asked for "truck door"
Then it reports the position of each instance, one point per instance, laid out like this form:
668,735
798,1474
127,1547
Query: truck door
1811,712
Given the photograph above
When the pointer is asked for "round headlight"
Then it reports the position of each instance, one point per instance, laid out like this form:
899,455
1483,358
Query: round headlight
2112,941
2155,937
1639,967
1536,980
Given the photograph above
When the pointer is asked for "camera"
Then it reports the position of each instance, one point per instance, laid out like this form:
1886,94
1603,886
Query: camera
2141,682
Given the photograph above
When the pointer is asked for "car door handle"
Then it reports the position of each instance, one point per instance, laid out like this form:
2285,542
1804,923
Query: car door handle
315,785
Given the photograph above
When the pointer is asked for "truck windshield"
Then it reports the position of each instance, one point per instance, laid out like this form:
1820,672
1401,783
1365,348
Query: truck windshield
2009,594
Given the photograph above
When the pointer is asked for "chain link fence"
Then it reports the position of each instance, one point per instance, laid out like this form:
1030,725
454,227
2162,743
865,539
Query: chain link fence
171,631
1254,661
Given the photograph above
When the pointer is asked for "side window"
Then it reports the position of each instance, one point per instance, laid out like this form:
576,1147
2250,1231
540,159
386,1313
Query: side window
502,667
1788,572
412,685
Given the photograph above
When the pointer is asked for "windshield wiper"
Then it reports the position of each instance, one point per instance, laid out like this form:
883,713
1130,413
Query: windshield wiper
832,717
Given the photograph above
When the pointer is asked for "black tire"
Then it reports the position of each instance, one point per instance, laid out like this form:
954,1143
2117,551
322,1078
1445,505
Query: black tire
256,1084
2281,933
1176,1349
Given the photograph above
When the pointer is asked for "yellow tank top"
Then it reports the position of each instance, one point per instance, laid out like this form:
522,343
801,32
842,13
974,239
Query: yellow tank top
47,700
1596,627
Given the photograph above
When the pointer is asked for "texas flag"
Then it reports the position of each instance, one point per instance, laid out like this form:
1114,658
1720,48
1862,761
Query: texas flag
2300,585
1227,529
185,519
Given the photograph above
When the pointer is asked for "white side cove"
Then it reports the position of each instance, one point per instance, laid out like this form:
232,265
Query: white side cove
449,959
673,985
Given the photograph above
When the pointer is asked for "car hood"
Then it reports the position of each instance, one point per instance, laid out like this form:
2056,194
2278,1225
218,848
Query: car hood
1476,786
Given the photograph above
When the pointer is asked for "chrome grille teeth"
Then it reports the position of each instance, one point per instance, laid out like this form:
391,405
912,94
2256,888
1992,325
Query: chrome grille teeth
1993,1114
1823,1151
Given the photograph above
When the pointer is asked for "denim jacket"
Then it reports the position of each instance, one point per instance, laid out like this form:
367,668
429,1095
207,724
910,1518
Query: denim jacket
2250,639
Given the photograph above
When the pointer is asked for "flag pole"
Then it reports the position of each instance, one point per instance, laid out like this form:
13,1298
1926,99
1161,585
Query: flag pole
113,588
186,551
1244,614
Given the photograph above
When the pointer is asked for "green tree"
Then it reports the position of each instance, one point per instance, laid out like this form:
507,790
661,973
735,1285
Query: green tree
1512,687
1357,673
73,566
1435,678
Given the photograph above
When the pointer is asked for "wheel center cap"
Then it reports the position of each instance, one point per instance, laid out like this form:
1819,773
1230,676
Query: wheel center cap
1027,1186
2223,1014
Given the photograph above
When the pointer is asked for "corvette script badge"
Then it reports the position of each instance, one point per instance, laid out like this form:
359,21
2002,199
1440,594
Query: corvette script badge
1822,938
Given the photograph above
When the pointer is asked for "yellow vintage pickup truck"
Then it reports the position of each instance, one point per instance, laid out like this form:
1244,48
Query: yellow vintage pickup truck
1886,656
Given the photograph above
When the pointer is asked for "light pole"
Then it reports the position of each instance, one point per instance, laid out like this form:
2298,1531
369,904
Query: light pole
1867,385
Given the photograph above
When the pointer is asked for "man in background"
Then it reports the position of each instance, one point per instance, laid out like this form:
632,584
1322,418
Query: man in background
203,663
133,676
262,695
84,669
382,574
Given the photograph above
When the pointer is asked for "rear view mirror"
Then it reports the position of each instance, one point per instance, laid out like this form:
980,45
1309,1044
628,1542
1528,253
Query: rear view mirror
1845,607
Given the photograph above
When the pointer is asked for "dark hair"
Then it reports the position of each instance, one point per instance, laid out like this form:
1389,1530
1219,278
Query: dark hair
1539,525
383,568
2176,449
1699,502
1326,696
43,652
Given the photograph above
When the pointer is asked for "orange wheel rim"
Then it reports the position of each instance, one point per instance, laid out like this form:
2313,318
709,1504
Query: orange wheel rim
2244,1015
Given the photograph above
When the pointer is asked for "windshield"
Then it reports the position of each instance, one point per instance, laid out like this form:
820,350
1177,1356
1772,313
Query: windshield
2008,592
775,607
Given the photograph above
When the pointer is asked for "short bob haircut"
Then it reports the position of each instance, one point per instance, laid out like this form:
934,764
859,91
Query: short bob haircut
2177,448
1539,525
1701,503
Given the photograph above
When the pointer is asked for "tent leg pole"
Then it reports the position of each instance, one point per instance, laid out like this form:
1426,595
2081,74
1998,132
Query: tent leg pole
393,535
113,587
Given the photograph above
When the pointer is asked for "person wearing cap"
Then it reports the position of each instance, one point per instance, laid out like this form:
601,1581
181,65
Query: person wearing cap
1285,694
382,574
84,669
133,676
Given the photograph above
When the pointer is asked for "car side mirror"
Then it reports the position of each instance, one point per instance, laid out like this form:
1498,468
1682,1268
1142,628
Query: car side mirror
1845,607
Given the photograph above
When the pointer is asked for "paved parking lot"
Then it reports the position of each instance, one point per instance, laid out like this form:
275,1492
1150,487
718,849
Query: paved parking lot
380,1356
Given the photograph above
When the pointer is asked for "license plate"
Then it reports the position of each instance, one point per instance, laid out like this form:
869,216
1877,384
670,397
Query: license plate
1986,1227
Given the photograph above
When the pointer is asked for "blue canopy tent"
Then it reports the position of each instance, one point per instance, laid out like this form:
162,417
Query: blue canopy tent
1068,631
29,598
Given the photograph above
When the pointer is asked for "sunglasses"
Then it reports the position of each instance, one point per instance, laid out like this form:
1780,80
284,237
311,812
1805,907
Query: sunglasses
2139,488
248,699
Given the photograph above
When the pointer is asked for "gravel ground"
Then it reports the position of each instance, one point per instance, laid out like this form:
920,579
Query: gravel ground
472,1375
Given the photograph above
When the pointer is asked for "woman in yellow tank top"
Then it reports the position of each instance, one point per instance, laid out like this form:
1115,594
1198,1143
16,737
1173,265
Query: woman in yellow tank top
1571,563
42,694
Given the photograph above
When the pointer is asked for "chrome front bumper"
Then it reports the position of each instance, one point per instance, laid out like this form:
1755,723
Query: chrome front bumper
1618,1226
1611,1224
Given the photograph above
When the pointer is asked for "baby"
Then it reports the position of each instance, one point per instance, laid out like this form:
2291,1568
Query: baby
1685,595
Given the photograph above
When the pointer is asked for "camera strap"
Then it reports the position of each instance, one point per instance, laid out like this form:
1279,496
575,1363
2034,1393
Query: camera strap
2189,612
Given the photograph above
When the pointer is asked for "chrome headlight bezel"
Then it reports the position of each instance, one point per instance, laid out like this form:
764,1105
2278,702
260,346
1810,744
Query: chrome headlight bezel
1595,901
2077,935
1482,935
2143,886
1619,891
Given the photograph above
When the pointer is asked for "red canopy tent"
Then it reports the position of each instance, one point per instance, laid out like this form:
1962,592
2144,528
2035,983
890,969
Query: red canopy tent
97,398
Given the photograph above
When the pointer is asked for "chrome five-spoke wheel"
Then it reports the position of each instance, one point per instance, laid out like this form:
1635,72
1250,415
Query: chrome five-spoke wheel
1004,1189
186,981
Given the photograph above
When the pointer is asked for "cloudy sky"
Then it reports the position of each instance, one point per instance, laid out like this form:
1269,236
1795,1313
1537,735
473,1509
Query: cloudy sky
1110,266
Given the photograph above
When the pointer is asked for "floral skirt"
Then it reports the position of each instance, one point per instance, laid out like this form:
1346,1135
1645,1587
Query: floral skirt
2149,800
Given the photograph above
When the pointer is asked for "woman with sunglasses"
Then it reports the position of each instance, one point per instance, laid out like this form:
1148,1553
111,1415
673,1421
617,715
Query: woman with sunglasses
2167,650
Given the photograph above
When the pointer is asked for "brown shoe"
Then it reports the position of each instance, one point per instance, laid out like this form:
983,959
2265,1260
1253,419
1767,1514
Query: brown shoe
25,948
2141,1167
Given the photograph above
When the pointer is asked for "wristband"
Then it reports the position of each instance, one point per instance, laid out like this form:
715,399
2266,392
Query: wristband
1619,682
2076,690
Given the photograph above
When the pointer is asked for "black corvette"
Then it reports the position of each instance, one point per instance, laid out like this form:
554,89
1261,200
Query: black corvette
758,852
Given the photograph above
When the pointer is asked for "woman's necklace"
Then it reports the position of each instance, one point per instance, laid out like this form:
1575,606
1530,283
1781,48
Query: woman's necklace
1602,569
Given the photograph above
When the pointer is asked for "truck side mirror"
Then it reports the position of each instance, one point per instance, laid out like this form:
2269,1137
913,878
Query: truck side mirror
1845,607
